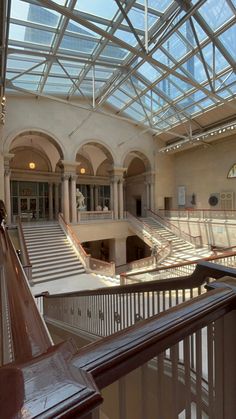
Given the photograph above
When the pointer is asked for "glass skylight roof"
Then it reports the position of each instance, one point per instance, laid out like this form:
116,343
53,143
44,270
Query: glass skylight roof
157,62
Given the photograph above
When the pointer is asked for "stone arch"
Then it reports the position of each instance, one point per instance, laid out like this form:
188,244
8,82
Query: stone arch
138,168
137,154
34,133
96,154
23,155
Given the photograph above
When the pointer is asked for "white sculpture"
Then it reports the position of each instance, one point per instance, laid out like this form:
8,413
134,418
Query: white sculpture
80,200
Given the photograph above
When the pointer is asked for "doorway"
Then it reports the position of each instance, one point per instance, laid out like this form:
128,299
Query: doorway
28,207
138,207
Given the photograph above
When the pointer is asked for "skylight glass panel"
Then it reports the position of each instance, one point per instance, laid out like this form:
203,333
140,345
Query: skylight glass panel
33,13
32,35
215,13
126,36
114,101
76,28
206,103
56,89
149,72
160,6
31,86
85,46
17,62
112,51
228,40
169,89
137,18
196,68
186,31
131,112
102,8
122,96
220,62
176,47
162,57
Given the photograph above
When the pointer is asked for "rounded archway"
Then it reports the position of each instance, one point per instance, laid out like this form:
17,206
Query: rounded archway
137,193
35,175
95,164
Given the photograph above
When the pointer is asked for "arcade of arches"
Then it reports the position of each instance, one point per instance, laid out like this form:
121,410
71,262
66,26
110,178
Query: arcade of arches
39,183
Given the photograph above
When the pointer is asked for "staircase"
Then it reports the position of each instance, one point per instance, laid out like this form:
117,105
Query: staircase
181,249
51,254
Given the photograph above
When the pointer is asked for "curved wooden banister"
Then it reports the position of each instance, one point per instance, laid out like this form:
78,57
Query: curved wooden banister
24,251
202,271
117,355
30,337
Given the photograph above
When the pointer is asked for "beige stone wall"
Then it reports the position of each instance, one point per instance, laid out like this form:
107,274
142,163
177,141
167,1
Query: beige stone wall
203,170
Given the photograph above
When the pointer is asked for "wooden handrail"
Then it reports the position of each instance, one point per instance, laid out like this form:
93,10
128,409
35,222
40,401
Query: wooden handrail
202,271
115,356
24,251
29,334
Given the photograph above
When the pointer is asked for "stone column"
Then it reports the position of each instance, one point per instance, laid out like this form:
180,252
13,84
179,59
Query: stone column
111,196
92,198
96,196
115,198
147,194
7,194
73,199
50,199
65,204
121,200
56,197
152,204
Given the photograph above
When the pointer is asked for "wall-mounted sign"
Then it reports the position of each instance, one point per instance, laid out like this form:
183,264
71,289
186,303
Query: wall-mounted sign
181,195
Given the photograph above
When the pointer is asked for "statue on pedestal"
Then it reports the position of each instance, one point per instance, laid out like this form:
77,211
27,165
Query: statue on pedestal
80,204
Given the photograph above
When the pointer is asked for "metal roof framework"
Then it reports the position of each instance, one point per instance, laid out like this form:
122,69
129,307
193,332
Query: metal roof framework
159,63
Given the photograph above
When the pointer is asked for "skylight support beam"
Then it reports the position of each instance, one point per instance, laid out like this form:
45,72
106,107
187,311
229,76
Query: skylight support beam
129,23
28,70
201,54
93,82
140,101
146,24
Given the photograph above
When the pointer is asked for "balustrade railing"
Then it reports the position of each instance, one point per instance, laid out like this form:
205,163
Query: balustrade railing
85,216
90,264
195,240
200,214
105,311
179,363
227,259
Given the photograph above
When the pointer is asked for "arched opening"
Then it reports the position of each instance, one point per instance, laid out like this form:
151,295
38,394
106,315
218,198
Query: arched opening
94,176
136,195
35,176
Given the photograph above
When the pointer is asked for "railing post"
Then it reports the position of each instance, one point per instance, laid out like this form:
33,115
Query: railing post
225,380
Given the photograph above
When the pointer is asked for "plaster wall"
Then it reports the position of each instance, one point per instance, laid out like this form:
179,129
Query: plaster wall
72,127
217,233
203,171
164,182
102,231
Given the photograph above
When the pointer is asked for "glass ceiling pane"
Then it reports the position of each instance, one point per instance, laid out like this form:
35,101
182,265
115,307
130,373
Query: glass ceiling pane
137,18
176,47
216,13
33,13
161,6
21,33
103,8
126,36
149,72
228,40
71,43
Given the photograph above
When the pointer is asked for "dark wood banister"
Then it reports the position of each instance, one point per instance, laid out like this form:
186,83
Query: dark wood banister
29,334
48,369
196,279
24,251
115,356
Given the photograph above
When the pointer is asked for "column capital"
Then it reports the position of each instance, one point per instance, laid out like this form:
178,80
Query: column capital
65,176
73,177
7,171
70,166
